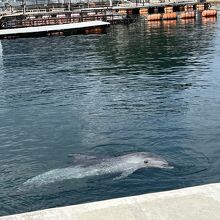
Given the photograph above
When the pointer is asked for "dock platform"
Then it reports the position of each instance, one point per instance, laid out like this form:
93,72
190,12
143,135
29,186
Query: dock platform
89,27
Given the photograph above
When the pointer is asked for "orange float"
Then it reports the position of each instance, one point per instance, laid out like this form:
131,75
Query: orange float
169,16
187,14
209,13
154,17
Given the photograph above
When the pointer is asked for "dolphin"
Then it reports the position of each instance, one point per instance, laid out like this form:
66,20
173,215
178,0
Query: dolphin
91,166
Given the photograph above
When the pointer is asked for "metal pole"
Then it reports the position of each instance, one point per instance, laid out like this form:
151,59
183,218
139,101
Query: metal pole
24,6
69,5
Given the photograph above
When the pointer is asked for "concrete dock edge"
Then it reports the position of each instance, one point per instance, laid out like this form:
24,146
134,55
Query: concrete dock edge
193,203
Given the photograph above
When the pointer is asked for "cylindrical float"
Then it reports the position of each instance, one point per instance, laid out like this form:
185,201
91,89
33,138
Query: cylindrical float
187,14
209,13
169,16
154,17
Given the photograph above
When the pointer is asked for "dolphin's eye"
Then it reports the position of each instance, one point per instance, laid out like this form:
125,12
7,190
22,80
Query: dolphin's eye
146,161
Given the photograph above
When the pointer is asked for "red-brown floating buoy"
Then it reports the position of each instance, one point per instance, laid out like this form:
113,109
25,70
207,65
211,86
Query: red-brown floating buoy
209,13
154,17
169,16
187,14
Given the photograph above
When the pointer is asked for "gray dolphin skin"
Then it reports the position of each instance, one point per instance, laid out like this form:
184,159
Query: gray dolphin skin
91,166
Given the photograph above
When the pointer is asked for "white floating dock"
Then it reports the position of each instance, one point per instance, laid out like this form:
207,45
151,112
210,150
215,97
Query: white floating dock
194,203
51,28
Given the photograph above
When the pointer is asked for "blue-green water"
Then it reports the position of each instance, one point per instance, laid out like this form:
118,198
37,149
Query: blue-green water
143,87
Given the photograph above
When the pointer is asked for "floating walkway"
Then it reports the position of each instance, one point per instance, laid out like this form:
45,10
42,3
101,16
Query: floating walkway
194,203
89,27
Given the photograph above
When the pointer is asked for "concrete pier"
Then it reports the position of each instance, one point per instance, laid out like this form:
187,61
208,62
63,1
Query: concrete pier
194,203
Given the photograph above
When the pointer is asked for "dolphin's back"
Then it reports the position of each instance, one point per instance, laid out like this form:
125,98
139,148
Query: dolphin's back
61,174
106,166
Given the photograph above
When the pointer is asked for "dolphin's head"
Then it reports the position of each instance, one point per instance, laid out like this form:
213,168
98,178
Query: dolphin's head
156,162
150,160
